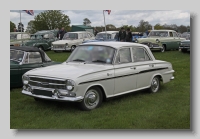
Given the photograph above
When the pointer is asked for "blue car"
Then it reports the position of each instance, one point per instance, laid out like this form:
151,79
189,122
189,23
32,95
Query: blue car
136,35
105,36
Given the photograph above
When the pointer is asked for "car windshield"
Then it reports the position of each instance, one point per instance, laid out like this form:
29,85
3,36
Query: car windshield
36,37
16,55
13,36
92,54
103,36
158,34
70,36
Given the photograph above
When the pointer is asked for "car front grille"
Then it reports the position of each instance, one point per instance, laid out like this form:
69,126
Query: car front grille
47,83
59,47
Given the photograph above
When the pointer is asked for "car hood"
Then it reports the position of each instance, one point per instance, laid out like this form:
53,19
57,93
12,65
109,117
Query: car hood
185,41
69,70
63,41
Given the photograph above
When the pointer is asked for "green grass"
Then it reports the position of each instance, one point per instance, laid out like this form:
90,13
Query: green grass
167,109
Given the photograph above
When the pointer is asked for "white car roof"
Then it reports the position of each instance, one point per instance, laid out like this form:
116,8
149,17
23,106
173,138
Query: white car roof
164,30
109,32
79,32
116,45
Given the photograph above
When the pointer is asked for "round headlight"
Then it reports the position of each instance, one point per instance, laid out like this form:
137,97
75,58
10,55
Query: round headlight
25,79
157,41
70,85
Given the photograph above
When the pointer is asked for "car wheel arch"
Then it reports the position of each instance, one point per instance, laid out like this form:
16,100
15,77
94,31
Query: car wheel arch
158,75
100,87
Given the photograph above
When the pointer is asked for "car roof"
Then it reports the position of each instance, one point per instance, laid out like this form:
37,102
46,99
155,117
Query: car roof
109,32
164,30
115,45
79,32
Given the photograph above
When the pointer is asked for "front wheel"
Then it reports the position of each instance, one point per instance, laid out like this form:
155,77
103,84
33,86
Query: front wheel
163,48
72,48
155,85
92,99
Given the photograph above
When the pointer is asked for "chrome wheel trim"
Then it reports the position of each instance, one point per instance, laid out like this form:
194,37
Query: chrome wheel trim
163,48
91,99
72,48
155,85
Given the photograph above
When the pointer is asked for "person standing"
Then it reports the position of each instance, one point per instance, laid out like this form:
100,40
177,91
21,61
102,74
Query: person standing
62,33
95,31
122,35
128,35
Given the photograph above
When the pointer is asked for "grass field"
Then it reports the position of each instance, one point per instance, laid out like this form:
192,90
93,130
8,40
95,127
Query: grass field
167,109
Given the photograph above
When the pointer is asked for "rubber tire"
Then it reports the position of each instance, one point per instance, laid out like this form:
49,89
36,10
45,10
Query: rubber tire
82,103
73,47
163,49
184,50
158,81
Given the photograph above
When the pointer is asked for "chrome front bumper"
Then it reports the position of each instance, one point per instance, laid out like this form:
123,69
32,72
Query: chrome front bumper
54,97
61,49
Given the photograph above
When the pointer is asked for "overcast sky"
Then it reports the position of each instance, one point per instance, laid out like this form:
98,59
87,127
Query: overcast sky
116,17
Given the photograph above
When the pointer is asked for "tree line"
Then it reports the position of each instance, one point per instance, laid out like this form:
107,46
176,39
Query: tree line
53,19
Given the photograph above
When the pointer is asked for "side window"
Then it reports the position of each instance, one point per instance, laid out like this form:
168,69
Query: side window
139,54
33,57
84,35
175,34
80,36
124,56
170,34
50,36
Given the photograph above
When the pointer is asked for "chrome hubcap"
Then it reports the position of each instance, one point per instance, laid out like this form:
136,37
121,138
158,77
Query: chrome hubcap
155,84
91,99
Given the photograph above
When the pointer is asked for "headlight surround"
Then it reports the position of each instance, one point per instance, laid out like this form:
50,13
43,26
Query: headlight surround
25,79
136,40
157,41
70,84
66,45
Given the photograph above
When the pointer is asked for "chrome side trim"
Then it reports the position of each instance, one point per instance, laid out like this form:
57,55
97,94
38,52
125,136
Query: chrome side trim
48,83
74,99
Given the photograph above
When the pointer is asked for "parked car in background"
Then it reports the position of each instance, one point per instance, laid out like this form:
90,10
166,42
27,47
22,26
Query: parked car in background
105,36
71,40
137,35
185,46
186,35
23,59
41,40
17,38
161,40
96,71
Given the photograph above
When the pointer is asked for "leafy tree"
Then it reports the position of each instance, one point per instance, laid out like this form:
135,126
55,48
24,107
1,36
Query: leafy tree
30,27
144,26
86,22
158,26
12,26
51,19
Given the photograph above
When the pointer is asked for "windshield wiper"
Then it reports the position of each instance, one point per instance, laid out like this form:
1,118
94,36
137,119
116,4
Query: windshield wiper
101,61
79,60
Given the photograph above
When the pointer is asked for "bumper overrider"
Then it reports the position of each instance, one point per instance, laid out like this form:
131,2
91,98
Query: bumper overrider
51,89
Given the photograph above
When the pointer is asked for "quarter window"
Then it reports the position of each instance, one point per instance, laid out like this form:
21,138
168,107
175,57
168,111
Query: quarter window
124,56
33,57
139,54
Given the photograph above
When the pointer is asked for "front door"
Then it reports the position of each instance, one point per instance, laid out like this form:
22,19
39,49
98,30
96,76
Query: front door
125,73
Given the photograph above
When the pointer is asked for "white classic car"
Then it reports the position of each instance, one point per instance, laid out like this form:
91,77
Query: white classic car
96,71
71,40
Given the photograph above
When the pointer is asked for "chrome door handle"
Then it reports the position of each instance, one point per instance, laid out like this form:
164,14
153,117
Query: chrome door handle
132,67
151,65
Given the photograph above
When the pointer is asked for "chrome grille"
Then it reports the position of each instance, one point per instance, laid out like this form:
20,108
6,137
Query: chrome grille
47,83
58,47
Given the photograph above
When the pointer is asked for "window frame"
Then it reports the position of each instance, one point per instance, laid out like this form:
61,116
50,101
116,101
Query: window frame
125,47
27,54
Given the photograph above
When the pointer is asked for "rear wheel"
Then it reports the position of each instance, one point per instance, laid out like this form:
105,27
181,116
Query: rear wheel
184,50
92,99
155,85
